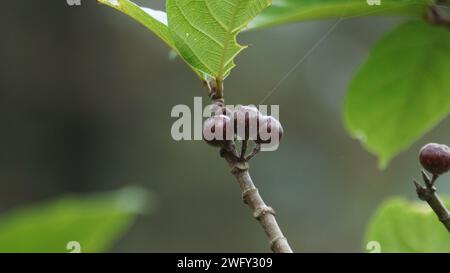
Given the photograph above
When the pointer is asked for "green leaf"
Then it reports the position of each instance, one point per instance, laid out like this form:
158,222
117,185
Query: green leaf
204,31
94,221
154,20
401,91
289,11
400,226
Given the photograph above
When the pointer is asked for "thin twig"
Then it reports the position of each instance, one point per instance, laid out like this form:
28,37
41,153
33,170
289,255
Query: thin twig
263,213
255,151
428,193
243,149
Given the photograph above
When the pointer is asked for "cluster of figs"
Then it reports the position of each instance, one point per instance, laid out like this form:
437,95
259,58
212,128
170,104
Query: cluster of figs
244,123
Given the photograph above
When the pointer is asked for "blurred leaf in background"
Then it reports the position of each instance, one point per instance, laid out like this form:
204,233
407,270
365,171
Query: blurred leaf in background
290,11
95,221
401,226
402,90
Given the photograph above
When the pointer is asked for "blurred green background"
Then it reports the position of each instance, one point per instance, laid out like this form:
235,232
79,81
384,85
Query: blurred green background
85,101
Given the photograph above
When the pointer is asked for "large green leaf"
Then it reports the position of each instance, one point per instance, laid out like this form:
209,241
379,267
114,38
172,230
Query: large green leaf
288,11
402,90
93,221
204,31
400,226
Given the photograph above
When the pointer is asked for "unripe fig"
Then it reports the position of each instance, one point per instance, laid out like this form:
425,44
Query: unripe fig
435,158
269,127
246,121
216,130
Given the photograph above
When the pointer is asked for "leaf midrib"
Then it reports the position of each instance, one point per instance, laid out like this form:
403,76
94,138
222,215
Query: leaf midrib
228,37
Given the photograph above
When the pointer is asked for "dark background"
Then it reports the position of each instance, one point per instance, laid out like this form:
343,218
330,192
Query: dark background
85,101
